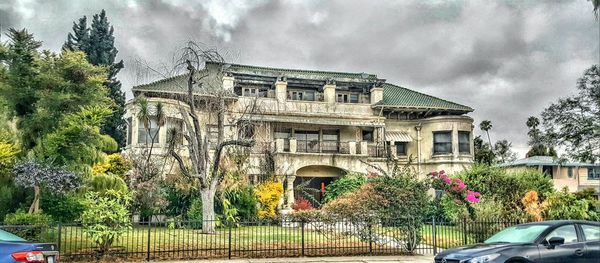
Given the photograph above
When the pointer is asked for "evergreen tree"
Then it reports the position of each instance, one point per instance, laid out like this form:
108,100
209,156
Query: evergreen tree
97,42
80,38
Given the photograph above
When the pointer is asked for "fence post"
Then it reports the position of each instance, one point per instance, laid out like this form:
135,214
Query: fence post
59,235
302,227
229,246
370,239
464,231
433,233
148,241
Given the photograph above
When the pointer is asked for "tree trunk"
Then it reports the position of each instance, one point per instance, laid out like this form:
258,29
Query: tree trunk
35,206
208,210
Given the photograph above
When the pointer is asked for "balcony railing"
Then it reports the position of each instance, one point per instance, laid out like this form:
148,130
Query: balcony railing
335,147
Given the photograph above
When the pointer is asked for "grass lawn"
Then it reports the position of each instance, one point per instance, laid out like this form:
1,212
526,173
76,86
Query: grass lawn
271,240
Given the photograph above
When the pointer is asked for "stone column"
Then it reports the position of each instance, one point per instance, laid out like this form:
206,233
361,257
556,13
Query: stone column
455,141
281,91
364,149
329,92
290,190
279,145
352,148
293,145
228,82
376,94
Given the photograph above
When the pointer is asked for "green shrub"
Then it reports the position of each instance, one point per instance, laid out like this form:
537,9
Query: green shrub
565,205
28,226
347,183
106,217
533,180
104,182
194,213
243,200
62,208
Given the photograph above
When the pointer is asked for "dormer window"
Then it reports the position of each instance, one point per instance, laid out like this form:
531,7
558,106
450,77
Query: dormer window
347,97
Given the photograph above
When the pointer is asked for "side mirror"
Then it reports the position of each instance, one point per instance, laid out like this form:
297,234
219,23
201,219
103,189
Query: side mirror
555,241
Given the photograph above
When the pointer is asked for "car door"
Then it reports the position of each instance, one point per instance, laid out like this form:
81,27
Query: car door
591,236
571,251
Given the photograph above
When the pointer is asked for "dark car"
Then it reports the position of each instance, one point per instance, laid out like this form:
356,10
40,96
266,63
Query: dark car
16,249
549,241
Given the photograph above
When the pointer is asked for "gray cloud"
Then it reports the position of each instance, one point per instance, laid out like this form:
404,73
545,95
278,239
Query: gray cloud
507,59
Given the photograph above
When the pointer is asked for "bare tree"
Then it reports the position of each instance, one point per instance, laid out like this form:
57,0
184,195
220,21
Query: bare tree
213,100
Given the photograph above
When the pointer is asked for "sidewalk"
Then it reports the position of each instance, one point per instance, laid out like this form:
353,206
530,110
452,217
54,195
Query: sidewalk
365,259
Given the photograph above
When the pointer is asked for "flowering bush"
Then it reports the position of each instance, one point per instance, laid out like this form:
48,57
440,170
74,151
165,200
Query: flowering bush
268,194
302,204
454,187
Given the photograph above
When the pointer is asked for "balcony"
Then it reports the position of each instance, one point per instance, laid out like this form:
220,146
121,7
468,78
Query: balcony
362,148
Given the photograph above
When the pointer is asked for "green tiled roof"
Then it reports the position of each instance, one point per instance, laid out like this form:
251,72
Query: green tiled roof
400,97
300,73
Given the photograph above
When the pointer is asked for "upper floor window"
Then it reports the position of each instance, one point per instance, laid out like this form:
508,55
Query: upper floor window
308,95
367,135
254,92
464,142
400,148
442,142
347,97
148,134
593,173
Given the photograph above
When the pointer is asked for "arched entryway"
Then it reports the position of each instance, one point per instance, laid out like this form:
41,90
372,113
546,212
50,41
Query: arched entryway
311,182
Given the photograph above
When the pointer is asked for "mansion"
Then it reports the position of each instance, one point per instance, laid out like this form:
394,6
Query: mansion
319,125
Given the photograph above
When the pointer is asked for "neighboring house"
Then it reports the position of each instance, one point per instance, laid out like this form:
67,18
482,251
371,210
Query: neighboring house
575,176
319,125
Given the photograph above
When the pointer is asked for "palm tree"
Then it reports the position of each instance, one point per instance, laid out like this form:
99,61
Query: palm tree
532,121
146,117
596,4
486,126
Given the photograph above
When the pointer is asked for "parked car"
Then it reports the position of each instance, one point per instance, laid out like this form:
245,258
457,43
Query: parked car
16,249
548,241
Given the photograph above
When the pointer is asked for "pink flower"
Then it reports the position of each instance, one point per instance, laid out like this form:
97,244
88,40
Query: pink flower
434,173
458,185
446,179
473,197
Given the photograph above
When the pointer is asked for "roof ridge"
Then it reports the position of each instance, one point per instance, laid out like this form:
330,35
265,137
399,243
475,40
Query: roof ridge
302,70
427,95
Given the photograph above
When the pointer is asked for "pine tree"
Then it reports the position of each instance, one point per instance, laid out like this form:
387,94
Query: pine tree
98,44
80,39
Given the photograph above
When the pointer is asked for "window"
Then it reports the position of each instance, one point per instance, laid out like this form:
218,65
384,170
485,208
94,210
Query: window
330,141
175,125
400,148
246,130
213,135
308,95
148,135
347,97
442,142
254,92
285,134
129,130
593,173
307,141
567,232
591,233
367,135
464,142
570,172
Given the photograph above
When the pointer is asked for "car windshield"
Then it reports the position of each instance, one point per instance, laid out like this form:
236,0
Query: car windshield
518,234
5,236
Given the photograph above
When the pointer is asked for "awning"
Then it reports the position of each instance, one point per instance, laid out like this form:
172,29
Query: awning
315,120
397,136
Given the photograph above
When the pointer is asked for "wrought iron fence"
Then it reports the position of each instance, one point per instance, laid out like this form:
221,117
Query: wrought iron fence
260,238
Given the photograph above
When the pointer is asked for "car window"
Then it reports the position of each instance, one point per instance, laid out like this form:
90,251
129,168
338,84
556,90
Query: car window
567,232
591,233
518,234
5,236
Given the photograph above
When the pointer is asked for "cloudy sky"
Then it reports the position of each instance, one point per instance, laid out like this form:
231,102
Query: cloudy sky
506,59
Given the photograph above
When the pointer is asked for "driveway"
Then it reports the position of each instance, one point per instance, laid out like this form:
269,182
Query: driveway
374,259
